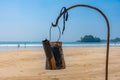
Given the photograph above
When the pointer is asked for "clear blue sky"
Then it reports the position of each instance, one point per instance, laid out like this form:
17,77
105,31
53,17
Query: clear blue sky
30,20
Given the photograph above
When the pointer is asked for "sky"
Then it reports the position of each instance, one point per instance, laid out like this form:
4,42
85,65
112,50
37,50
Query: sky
30,20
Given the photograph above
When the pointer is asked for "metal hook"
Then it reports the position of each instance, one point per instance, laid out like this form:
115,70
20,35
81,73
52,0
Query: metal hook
108,30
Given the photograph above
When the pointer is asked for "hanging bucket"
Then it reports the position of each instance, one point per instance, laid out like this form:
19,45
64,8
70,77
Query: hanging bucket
54,53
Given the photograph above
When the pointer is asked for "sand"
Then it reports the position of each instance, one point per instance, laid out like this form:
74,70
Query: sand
81,64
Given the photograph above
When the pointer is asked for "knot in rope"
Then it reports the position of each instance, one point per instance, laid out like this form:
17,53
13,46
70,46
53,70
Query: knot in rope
65,17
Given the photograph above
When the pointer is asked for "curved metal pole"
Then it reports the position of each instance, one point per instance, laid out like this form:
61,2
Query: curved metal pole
108,30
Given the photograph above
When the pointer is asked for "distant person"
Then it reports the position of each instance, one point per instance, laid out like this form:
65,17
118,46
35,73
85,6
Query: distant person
18,45
25,45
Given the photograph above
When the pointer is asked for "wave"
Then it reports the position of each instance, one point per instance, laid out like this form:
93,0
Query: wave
19,45
64,45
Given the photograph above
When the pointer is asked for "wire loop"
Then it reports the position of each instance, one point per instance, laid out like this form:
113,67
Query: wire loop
59,33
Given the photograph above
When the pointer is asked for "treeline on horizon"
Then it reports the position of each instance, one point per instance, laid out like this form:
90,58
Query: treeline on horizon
91,38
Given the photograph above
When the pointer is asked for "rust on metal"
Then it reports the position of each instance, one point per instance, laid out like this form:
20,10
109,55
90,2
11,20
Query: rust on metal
108,29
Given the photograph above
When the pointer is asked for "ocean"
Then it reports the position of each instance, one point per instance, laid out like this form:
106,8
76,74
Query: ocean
38,45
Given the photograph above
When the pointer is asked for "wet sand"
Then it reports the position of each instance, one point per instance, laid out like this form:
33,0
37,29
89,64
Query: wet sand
81,64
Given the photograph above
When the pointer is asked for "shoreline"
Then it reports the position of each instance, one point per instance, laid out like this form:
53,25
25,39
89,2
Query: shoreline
10,48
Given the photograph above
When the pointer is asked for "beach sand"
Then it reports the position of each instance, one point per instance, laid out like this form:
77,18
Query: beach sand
81,64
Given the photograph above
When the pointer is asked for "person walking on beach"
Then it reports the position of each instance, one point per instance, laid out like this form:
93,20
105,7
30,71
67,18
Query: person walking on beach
25,45
18,45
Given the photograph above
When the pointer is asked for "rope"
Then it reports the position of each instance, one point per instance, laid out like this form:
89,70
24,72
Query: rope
65,17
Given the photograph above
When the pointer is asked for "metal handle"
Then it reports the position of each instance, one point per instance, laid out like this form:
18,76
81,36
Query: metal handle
59,33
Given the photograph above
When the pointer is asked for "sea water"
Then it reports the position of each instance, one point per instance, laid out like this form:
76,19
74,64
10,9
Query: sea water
38,45
20,45
89,44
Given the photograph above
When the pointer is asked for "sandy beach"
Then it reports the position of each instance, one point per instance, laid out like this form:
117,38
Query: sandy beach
81,64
